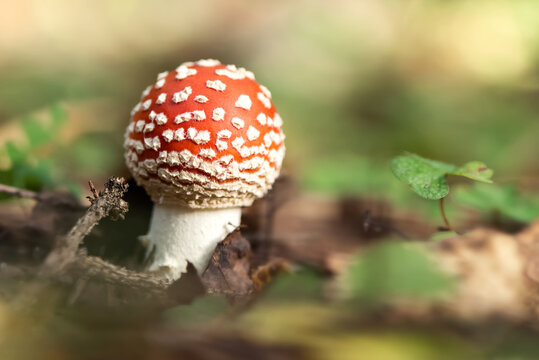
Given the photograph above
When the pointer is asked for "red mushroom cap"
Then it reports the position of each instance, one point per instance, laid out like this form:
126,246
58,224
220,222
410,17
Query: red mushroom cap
205,135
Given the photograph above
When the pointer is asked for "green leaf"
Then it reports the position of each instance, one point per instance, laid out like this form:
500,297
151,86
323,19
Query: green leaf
15,154
44,171
438,165
36,133
58,116
33,177
475,170
39,133
427,178
394,269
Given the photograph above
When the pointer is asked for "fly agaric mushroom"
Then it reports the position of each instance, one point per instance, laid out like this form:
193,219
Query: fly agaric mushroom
204,140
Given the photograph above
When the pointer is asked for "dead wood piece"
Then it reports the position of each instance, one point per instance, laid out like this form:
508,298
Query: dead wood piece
489,267
228,270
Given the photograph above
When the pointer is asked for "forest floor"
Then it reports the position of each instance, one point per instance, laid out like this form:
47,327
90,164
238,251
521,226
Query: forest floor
304,277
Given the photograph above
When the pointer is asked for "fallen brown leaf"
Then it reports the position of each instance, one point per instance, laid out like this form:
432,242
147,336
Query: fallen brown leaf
229,267
489,267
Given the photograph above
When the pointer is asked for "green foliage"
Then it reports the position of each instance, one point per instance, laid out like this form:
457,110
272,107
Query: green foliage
39,134
394,269
506,201
47,87
33,164
427,178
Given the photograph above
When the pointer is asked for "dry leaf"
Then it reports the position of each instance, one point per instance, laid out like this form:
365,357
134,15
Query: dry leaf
228,270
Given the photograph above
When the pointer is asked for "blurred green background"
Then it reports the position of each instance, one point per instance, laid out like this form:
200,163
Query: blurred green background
357,82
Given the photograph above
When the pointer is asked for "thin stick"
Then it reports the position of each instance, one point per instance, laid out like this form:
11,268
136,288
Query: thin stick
107,203
442,210
95,268
23,193
93,190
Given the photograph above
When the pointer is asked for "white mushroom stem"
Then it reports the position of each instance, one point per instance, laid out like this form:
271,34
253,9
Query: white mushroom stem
179,235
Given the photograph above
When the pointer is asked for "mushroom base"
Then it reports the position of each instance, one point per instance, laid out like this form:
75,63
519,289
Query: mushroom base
179,235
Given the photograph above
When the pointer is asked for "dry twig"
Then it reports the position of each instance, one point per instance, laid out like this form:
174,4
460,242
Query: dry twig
10,190
96,268
66,258
108,203
67,264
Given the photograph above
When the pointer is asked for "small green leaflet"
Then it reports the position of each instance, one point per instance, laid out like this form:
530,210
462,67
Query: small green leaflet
475,170
427,178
